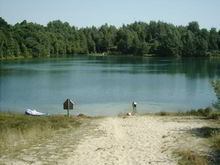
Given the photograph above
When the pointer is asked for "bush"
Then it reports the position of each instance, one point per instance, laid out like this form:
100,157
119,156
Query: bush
214,116
216,87
163,113
200,112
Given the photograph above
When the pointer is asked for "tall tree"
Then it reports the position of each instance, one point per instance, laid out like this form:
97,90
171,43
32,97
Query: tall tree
213,39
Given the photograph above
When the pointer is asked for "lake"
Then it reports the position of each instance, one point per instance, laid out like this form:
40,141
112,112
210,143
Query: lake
107,85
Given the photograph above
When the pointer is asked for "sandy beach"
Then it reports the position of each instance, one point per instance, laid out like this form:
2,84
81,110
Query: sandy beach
133,140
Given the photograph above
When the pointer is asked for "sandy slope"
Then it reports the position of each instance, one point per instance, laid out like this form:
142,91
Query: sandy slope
113,140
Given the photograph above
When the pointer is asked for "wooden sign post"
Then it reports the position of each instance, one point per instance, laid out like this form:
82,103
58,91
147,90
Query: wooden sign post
68,105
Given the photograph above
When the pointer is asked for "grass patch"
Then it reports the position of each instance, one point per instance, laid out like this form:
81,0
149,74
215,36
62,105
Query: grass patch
189,157
165,114
212,136
200,112
206,132
215,140
18,130
207,112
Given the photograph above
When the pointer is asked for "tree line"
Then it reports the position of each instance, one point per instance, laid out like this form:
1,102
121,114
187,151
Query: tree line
58,38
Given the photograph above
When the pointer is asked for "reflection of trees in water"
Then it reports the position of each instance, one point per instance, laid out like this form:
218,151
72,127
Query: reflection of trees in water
199,68
191,67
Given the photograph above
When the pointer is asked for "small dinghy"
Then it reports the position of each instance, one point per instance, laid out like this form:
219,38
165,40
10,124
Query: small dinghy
34,112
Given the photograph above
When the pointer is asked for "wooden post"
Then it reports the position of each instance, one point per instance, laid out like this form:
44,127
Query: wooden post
68,112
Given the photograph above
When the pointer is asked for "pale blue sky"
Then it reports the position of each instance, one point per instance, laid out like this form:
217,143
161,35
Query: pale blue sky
82,13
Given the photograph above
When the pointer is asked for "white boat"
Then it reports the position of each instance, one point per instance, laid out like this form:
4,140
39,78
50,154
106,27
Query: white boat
34,112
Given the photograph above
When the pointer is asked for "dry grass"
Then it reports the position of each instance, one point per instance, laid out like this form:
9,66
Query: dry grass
215,140
199,112
207,112
189,157
211,135
19,130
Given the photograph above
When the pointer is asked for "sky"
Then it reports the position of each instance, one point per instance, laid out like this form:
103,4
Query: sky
83,13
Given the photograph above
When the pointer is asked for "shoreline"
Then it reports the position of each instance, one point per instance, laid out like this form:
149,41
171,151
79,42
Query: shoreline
108,55
205,112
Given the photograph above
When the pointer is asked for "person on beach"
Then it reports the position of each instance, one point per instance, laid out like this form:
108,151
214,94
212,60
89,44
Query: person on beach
134,105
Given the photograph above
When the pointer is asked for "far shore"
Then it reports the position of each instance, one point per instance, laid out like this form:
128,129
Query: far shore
102,54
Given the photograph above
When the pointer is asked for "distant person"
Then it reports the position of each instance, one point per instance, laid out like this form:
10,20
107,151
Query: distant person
134,105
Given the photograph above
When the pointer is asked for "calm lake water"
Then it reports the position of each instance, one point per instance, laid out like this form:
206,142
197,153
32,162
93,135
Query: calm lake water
107,85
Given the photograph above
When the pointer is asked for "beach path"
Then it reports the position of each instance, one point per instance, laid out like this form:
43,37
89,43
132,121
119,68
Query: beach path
133,140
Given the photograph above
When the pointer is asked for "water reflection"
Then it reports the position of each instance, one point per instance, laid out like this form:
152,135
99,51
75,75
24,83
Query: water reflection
169,83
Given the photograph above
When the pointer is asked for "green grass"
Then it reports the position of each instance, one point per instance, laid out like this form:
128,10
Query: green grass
17,130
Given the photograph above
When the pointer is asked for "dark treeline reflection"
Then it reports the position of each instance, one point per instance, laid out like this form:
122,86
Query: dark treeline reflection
192,68
58,38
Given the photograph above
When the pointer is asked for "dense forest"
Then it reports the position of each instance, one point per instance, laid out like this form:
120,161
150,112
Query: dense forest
29,39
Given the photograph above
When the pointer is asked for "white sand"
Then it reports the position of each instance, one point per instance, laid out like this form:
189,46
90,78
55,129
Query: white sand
116,141
132,141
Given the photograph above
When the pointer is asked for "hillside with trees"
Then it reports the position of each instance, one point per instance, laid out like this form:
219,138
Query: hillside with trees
58,38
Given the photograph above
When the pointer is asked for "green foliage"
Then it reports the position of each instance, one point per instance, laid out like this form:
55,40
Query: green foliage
216,87
193,27
200,112
59,38
207,112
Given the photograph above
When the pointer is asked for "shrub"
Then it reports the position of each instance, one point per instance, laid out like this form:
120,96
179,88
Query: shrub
163,113
216,87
